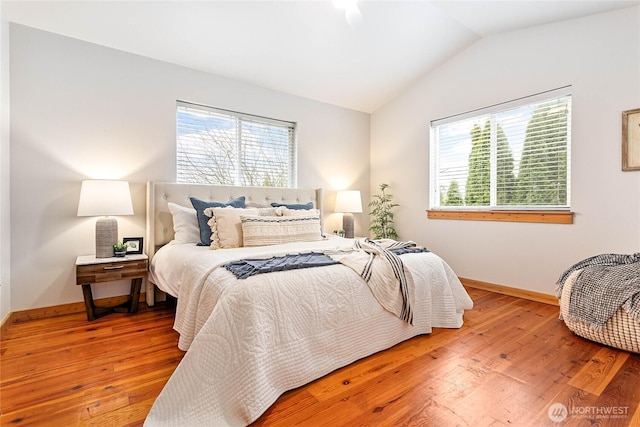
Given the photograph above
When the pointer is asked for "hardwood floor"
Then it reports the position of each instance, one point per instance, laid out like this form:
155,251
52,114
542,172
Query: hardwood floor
506,366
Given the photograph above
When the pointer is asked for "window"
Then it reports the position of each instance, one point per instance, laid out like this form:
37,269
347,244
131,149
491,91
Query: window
216,146
512,156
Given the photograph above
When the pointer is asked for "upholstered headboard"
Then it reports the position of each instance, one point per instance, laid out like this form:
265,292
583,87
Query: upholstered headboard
160,221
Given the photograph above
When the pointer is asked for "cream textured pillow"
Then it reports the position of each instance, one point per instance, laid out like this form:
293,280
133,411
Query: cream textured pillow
226,228
284,211
263,210
268,212
275,230
185,224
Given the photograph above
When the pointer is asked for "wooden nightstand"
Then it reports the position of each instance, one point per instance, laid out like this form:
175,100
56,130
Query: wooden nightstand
90,270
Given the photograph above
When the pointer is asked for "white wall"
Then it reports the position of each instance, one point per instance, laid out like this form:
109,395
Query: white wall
79,110
600,57
5,228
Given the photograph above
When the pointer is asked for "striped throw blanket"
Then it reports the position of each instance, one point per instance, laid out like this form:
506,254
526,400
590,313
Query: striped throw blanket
383,271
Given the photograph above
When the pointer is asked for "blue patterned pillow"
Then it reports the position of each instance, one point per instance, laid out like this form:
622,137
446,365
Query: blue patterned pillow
201,205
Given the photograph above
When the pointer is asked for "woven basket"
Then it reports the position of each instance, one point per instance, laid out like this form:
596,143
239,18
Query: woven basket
621,331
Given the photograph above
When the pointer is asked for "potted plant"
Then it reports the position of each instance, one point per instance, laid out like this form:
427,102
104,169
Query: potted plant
339,232
382,216
120,249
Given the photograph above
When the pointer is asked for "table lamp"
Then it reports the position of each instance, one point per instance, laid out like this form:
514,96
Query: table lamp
348,202
102,198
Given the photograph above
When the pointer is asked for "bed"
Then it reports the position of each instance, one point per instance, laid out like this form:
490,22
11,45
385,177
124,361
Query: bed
249,340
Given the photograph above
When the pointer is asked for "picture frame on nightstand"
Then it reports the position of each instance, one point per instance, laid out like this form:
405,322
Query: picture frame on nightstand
134,245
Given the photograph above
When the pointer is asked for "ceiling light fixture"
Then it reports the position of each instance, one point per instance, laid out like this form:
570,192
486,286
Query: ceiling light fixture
345,4
351,11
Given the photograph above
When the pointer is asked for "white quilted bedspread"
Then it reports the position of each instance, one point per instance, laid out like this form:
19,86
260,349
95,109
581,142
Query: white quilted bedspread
250,340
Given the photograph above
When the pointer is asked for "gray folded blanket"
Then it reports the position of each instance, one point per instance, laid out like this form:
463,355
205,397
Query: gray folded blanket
605,284
249,267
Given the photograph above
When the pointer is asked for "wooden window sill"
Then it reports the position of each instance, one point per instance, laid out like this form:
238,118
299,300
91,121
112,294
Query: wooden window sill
549,217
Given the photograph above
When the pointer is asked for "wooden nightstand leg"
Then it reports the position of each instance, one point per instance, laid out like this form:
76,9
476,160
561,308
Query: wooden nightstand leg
88,302
136,284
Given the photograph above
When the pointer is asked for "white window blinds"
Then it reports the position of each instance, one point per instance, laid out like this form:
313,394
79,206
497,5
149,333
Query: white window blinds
512,156
216,146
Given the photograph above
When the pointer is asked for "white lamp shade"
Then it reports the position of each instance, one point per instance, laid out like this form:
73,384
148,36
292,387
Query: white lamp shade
104,197
348,201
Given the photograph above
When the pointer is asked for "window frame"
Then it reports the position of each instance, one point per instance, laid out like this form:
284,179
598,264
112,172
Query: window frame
243,119
493,212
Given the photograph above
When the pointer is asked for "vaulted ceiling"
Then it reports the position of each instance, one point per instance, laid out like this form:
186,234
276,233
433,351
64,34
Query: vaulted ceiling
305,48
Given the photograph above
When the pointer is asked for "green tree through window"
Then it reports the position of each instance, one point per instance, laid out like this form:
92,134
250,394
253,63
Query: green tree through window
515,157
543,169
479,180
454,197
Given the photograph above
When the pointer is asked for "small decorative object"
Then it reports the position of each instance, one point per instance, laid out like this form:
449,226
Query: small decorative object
339,232
631,140
135,245
120,249
382,221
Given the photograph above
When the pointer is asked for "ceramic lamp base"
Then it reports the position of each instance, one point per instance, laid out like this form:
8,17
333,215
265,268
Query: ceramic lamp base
347,225
106,237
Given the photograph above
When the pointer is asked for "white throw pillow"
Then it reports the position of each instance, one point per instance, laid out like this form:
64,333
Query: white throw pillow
185,224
